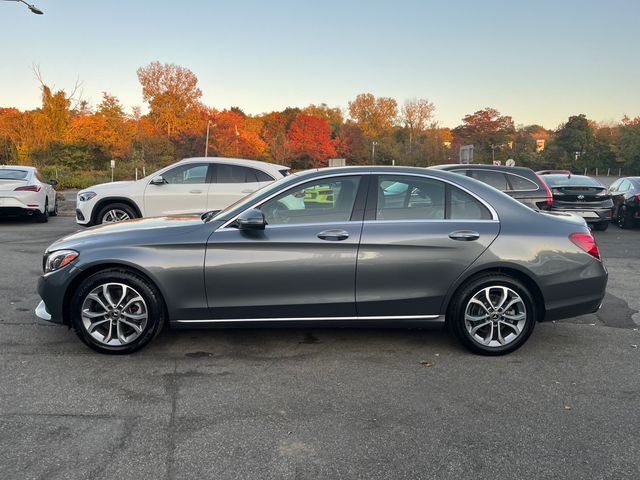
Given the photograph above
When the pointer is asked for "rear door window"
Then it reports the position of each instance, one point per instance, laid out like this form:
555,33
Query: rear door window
226,173
495,179
519,183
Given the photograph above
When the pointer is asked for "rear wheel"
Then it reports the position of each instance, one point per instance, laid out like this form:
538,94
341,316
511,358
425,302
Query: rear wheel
54,212
115,212
492,315
117,312
601,226
43,217
624,220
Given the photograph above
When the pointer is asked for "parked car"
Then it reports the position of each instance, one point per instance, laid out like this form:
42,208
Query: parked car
23,191
520,183
581,195
454,250
190,186
625,193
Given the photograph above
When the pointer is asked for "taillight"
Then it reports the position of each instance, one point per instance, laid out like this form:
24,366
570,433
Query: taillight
29,188
549,196
586,242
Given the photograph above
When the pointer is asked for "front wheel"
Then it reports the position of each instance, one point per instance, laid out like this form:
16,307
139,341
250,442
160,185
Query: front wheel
492,315
115,212
117,311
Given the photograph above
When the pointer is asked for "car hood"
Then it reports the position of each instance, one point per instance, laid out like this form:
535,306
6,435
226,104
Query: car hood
139,230
111,186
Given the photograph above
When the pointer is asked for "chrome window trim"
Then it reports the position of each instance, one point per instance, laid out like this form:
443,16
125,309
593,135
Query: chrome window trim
439,318
283,225
494,214
430,220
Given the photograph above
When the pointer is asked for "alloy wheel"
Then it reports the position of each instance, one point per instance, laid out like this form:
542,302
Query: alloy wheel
114,314
115,215
495,316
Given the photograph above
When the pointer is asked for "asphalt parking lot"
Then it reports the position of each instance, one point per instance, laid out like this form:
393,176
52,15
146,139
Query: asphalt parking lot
321,403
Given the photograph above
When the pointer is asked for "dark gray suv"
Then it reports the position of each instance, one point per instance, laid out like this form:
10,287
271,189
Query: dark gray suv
521,183
346,246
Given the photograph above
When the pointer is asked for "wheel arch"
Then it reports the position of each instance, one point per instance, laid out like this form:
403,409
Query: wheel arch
103,202
522,276
95,268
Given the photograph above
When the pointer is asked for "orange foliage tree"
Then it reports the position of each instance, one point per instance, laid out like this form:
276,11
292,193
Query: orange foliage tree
309,140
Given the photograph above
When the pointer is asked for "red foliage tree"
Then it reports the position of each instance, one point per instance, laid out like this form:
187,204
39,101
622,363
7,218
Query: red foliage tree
309,139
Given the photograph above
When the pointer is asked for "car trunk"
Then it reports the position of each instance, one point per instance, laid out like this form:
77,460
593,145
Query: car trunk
8,185
579,195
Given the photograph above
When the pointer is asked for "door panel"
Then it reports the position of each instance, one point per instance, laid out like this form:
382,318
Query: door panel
406,268
282,271
302,264
420,235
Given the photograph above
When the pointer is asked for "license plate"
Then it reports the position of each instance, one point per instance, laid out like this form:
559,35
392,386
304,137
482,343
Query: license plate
587,214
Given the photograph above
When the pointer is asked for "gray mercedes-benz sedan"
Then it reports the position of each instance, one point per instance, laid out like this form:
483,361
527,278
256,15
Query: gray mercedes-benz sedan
347,246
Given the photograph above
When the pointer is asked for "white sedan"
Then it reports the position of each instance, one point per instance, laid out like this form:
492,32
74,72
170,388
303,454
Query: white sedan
23,191
190,186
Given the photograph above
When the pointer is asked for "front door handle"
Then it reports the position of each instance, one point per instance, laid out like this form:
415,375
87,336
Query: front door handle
333,235
464,235
195,191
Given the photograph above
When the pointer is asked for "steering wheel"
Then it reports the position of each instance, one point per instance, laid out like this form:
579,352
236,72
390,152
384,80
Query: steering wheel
278,212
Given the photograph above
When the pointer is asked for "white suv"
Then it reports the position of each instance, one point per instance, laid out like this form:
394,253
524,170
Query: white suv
24,192
190,186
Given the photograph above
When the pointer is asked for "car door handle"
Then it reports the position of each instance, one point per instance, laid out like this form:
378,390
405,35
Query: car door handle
464,235
333,235
195,191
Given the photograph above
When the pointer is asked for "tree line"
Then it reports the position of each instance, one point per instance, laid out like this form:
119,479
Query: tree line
68,134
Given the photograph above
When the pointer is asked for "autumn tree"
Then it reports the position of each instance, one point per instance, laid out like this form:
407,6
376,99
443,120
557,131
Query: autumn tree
352,145
489,132
332,114
417,114
375,116
629,142
309,140
172,94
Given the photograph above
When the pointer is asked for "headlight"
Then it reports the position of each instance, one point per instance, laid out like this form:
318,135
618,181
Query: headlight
57,260
84,196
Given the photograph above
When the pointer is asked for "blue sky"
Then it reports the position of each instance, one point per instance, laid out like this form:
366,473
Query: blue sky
536,61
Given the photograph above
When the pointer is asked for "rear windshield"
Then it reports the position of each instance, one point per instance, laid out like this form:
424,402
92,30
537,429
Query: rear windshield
9,174
577,180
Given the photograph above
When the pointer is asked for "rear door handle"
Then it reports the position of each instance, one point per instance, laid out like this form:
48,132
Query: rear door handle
195,191
333,235
464,235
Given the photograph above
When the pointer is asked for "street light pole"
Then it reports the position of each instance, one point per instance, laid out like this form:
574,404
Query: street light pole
373,152
206,145
33,8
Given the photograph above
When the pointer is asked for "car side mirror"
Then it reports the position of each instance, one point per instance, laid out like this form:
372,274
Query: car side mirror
252,219
53,182
159,180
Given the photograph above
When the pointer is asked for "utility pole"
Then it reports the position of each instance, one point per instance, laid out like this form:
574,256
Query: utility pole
373,152
206,145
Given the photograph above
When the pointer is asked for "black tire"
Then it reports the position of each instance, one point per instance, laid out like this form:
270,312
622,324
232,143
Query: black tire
43,217
155,309
457,324
624,220
601,226
114,207
55,209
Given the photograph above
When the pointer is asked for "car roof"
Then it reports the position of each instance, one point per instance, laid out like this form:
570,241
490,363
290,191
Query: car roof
481,166
235,161
18,167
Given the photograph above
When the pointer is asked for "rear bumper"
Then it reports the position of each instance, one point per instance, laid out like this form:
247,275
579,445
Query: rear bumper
18,211
590,214
577,297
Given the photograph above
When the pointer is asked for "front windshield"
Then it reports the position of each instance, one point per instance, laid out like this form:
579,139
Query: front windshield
245,201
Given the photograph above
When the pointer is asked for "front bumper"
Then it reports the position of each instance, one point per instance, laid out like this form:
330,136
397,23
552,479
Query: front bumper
52,288
42,313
